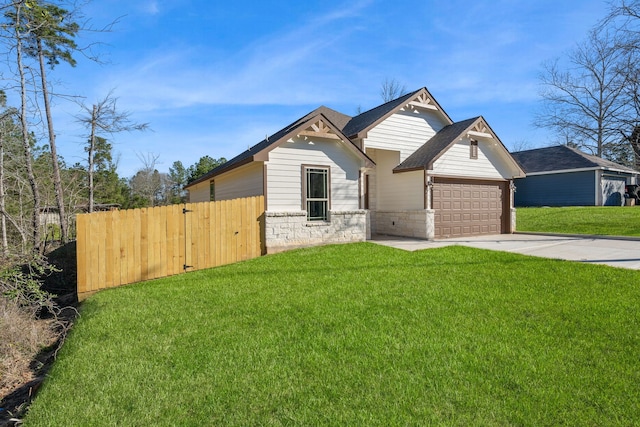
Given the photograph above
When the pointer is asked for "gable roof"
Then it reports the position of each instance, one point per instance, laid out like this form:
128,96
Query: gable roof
476,127
561,158
424,156
359,125
260,150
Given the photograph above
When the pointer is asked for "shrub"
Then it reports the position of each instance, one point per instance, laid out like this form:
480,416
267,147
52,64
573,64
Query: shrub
23,330
21,337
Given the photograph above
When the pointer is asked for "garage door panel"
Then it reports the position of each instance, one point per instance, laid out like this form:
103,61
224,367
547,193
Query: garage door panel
466,207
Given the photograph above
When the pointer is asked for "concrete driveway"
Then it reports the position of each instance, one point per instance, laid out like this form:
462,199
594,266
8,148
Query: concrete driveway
616,252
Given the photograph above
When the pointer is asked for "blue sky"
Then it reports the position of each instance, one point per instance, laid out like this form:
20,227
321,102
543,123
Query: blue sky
214,77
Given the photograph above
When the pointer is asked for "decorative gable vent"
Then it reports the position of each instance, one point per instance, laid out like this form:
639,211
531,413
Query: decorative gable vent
319,129
480,130
423,100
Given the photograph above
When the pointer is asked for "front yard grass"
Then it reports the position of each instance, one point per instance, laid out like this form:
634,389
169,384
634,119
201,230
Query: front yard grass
598,220
357,334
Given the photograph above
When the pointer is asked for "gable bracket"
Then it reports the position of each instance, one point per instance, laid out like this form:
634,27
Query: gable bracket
479,134
319,129
423,105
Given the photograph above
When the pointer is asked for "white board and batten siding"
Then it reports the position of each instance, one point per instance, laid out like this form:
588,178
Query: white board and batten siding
489,165
404,131
395,191
284,173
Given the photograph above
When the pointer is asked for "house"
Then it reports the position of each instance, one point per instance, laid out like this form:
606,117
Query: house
403,168
565,176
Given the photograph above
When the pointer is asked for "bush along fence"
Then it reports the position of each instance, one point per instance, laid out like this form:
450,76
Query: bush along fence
121,247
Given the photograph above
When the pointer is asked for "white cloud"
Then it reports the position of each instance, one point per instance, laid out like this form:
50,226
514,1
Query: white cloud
283,68
151,7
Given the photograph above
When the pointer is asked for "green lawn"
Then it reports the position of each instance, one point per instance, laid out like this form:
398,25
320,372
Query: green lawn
357,334
607,220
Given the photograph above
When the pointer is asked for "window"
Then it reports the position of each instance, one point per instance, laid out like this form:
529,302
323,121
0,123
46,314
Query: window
473,154
316,193
212,191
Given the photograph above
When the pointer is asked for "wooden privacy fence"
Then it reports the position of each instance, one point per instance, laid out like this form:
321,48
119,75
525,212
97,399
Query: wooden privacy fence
121,247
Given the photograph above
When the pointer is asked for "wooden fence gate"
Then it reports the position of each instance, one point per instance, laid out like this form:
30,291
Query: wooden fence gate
121,247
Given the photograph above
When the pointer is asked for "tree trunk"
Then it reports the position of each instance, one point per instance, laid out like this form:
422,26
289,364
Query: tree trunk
92,148
57,181
3,220
634,141
26,145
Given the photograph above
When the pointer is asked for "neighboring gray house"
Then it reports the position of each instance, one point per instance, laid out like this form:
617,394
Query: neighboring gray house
403,168
564,176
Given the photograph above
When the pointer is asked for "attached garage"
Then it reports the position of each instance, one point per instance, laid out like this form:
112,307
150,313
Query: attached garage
469,207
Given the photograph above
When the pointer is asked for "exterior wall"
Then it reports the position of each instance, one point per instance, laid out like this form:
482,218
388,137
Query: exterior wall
612,189
245,181
404,131
284,173
566,189
290,230
395,191
200,192
407,223
456,162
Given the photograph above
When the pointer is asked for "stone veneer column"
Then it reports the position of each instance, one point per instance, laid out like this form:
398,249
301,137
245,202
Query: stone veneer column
431,224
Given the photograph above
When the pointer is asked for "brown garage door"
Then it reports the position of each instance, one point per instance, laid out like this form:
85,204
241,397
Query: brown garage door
468,207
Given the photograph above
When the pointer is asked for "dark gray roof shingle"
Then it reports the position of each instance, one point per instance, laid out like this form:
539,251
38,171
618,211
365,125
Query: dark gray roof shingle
338,119
350,127
366,119
560,158
432,148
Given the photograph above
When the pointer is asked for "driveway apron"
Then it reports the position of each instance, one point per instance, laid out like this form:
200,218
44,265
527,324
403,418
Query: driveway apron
616,252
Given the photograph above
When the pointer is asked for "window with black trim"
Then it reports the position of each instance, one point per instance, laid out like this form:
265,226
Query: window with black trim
316,193
473,153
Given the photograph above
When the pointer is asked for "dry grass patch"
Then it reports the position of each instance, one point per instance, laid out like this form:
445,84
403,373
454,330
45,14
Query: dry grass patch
21,338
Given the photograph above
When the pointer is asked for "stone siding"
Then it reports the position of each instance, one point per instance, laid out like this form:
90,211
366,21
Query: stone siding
409,223
290,230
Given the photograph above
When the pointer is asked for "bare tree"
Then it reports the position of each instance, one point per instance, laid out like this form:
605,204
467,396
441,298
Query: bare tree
103,117
50,38
585,102
6,125
18,35
624,18
391,89
521,145
148,182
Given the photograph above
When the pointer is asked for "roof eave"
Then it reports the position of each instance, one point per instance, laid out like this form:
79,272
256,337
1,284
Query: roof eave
594,168
412,169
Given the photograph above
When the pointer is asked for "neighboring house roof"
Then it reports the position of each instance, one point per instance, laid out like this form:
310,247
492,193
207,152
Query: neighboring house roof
476,127
561,158
361,124
260,150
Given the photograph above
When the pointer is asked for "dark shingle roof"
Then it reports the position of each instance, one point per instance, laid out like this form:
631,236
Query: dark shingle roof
336,118
366,119
350,127
432,149
561,157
